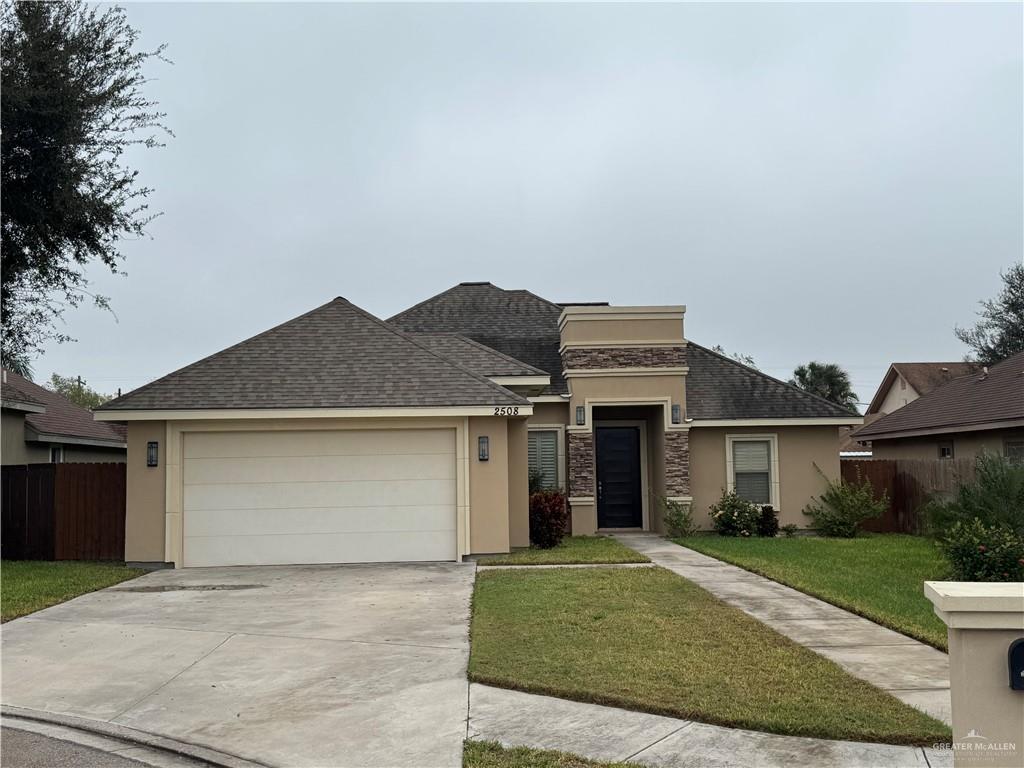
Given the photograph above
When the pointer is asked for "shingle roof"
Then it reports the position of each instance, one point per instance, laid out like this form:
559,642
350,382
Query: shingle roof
518,323
336,356
12,391
475,356
720,388
62,417
923,377
968,401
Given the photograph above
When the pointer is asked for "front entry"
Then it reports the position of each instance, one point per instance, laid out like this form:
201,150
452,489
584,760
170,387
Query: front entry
619,500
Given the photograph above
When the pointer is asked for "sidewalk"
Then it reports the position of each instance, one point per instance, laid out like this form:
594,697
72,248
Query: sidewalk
516,719
913,672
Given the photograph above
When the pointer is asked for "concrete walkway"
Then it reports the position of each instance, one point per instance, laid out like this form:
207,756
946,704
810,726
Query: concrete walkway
913,672
517,719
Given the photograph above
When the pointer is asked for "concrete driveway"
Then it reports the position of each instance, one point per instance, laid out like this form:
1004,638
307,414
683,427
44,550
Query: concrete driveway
358,665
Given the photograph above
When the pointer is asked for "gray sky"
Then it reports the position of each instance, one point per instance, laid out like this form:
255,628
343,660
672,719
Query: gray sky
828,182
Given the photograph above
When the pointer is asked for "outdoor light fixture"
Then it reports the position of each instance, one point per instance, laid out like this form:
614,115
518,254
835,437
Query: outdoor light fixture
677,413
581,415
152,454
484,446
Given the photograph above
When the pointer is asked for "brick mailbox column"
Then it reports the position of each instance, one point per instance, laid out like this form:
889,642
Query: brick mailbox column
985,621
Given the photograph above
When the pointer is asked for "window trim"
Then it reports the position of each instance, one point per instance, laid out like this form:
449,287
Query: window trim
1006,445
773,463
952,450
559,429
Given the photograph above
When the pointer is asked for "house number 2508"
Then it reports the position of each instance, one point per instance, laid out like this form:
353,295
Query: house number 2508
507,410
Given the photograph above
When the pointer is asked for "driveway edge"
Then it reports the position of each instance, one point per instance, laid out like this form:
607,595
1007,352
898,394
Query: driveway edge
133,736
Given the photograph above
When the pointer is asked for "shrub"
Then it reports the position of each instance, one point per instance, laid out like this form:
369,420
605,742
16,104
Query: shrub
733,516
789,530
844,506
980,552
995,498
678,518
768,523
549,516
536,481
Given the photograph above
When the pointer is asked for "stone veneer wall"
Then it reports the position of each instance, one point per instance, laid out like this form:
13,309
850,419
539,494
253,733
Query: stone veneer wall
624,357
581,464
677,463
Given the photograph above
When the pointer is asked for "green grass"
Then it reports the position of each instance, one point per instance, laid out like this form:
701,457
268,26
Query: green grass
879,576
646,639
574,550
489,754
27,586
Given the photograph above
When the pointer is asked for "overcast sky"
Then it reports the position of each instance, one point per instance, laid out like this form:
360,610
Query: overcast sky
830,182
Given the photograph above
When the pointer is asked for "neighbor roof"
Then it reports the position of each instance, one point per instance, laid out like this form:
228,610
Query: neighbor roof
475,356
720,388
517,323
923,377
62,418
336,356
970,401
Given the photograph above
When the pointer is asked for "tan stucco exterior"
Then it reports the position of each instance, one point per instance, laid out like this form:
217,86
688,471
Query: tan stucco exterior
550,413
14,449
489,487
145,495
518,485
966,445
900,393
581,329
799,450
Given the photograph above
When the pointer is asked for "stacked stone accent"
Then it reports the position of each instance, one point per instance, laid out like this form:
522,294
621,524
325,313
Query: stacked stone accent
581,464
624,357
677,463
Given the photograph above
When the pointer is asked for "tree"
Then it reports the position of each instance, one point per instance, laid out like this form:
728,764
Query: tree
826,380
739,357
19,364
1000,331
72,106
77,391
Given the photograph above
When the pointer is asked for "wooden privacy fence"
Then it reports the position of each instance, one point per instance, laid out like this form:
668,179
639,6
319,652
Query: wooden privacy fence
909,483
62,511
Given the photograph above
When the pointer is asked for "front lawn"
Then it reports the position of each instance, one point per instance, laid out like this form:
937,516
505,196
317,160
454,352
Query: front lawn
574,550
27,586
646,639
879,576
489,754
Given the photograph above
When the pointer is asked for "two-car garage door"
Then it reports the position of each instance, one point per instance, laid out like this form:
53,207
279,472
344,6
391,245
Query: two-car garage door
319,497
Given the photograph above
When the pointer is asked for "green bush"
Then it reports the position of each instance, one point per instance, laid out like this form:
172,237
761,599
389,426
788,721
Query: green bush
678,518
549,517
536,481
995,498
843,506
980,552
733,516
768,523
789,530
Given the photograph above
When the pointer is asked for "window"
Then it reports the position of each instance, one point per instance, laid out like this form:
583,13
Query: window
56,454
946,449
1014,451
542,446
752,470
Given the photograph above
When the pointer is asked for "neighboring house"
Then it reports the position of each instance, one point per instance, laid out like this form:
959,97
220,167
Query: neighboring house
849,446
983,410
338,437
40,426
903,383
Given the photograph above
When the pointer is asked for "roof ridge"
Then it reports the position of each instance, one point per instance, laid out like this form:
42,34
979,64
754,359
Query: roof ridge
221,352
408,337
531,293
419,304
762,374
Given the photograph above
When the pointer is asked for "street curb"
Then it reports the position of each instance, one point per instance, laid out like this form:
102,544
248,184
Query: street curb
132,736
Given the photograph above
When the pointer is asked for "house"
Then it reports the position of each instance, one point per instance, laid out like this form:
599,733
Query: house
903,383
40,426
983,410
339,437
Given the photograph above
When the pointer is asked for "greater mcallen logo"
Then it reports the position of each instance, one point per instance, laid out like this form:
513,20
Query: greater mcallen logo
973,741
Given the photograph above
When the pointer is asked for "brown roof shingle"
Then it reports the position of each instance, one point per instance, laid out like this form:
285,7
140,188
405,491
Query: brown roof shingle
62,417
475,356
968,401
336,356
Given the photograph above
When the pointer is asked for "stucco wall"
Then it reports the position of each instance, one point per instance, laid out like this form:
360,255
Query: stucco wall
13,448
144,509
800,448
489,486
579,329
518,485
94,454
550,413
966,445
895,397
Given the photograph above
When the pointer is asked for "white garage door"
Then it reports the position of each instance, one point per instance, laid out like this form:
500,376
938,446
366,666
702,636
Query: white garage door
263,498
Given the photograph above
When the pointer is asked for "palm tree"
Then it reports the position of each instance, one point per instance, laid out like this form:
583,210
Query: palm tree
826,380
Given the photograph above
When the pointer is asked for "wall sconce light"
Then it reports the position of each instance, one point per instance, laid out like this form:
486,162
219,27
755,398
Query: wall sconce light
483,447
581,415
152,454
677,413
